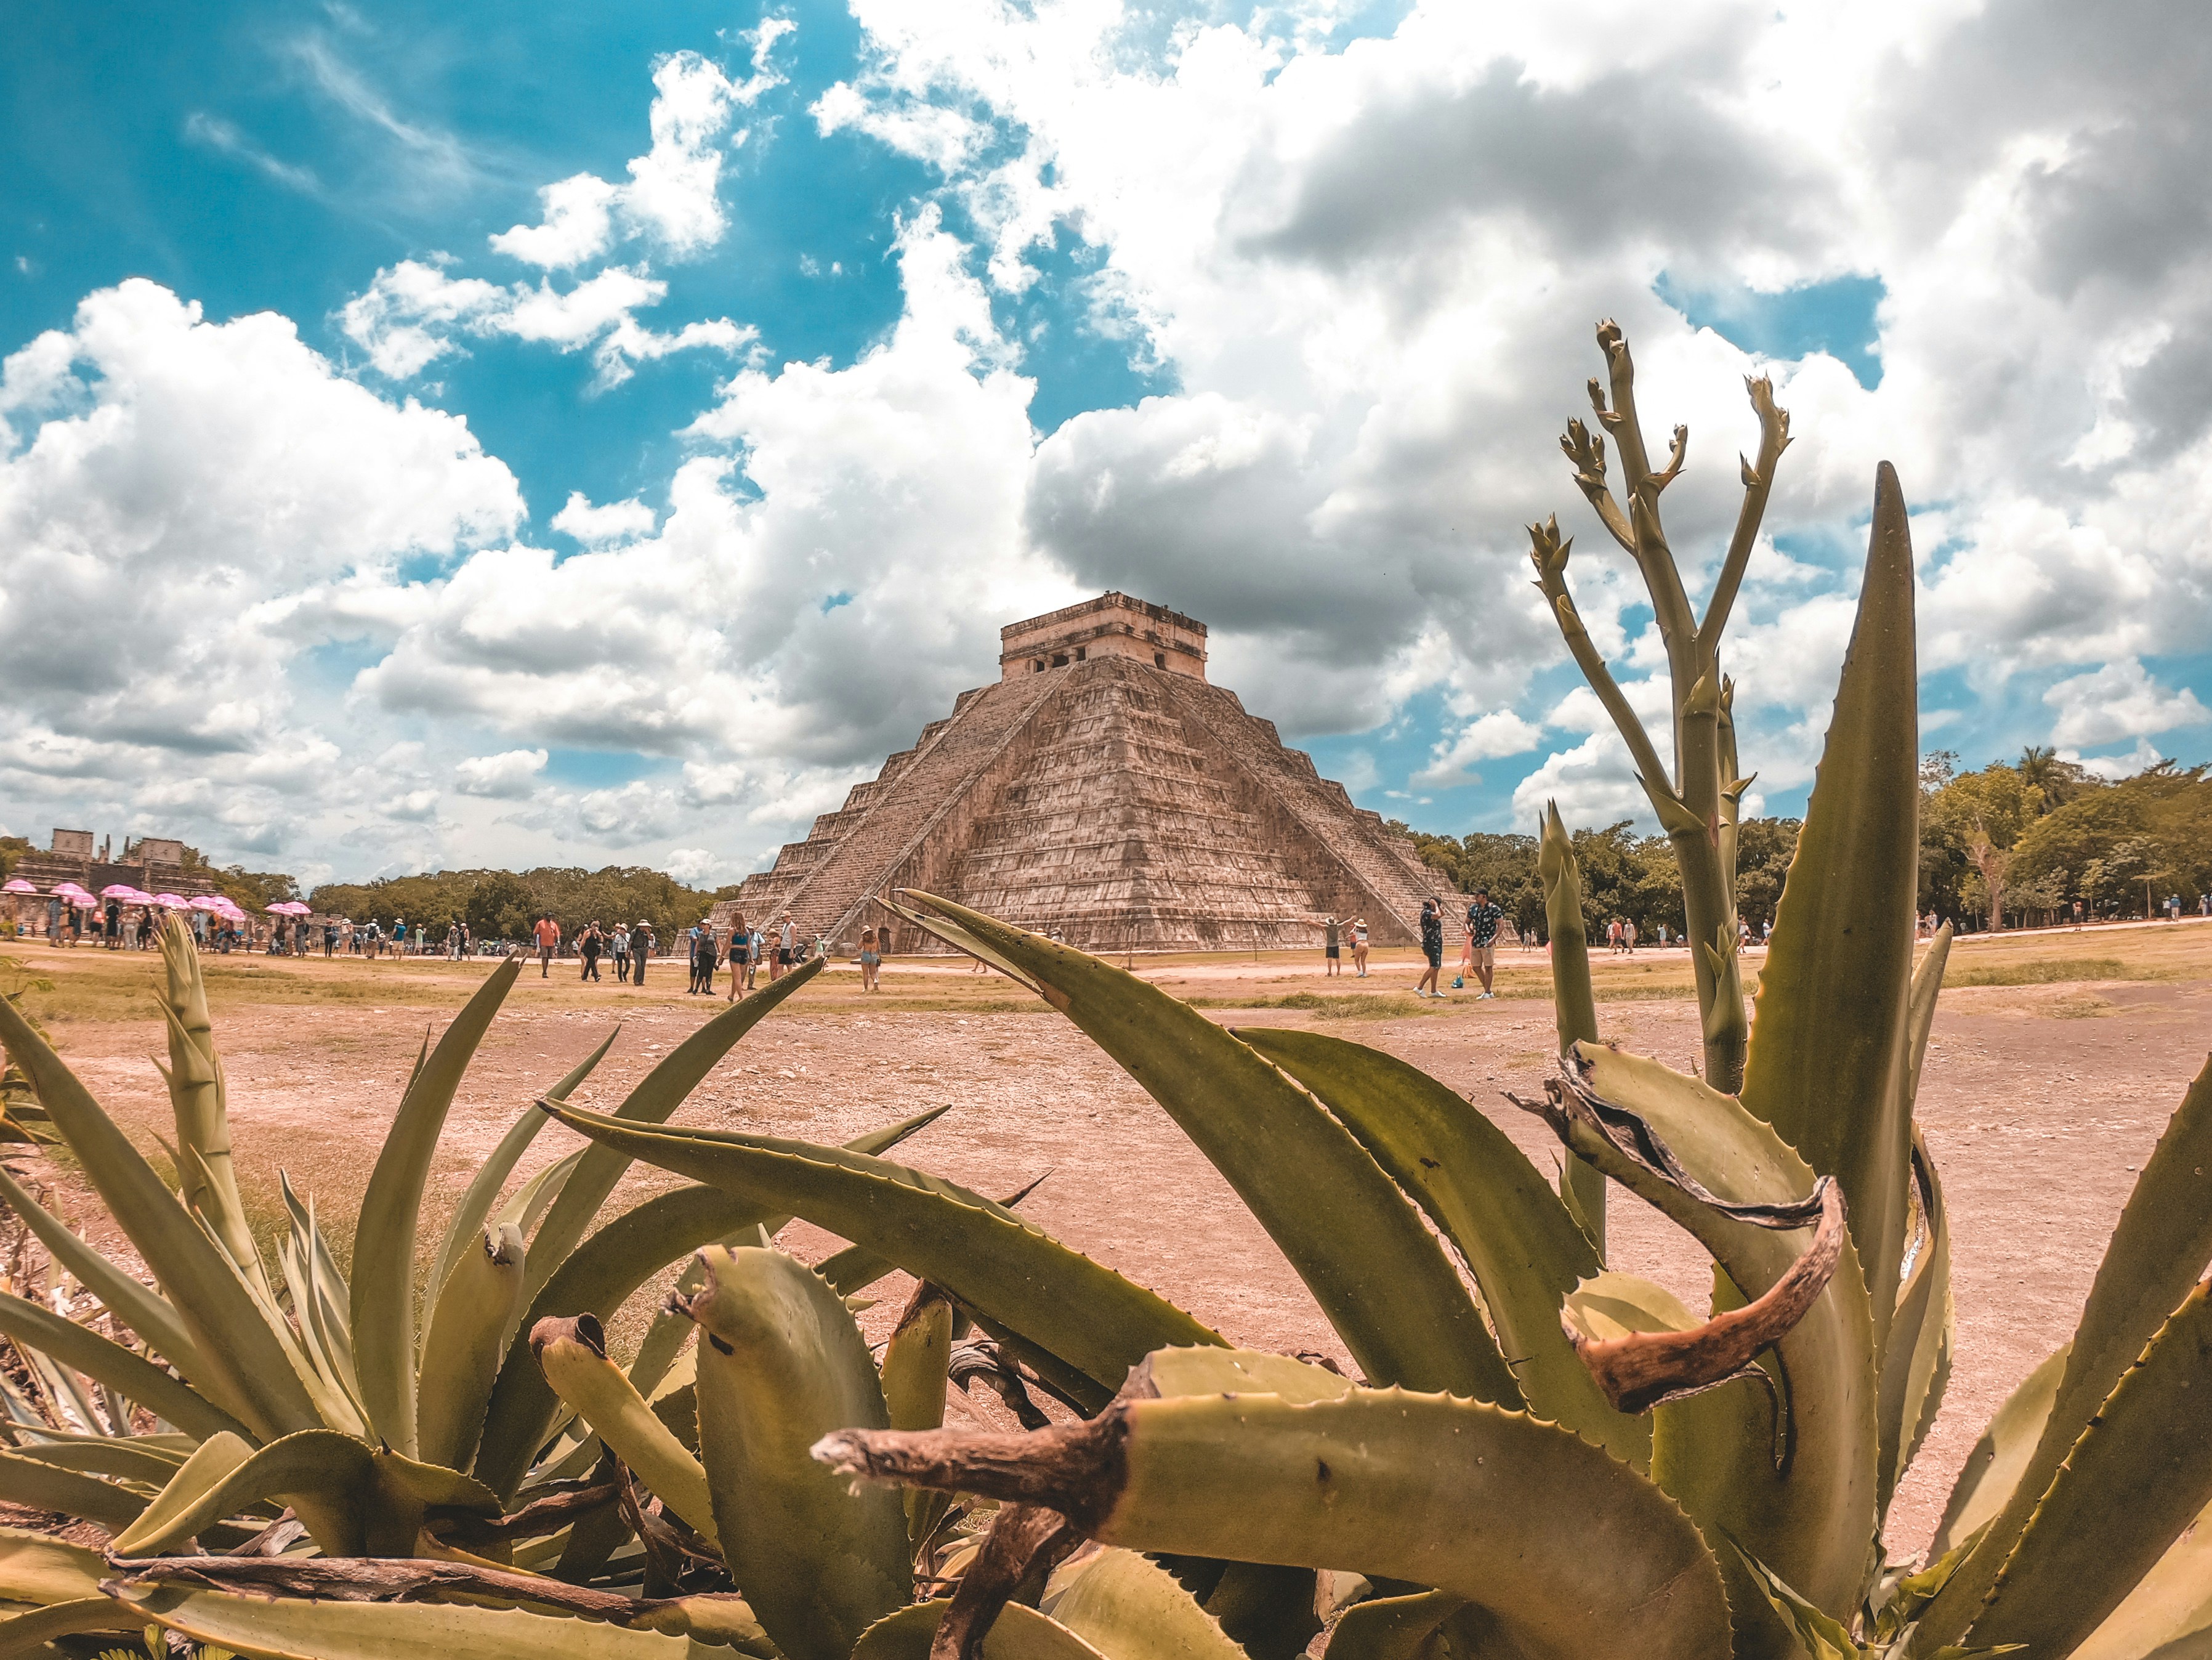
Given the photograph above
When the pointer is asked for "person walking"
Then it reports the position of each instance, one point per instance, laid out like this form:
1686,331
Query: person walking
1360,946
641,943
1483,919
872,960
1332,949
1628,933
1432,948
621,943
741,951
113,918
587,947
53,922
548,935
786,943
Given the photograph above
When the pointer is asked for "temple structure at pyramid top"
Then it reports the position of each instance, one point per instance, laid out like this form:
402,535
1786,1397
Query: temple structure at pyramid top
1104,790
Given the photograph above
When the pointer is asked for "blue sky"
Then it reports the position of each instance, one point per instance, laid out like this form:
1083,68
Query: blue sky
532,433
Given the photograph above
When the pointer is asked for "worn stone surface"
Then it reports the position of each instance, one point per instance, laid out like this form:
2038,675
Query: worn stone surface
1123,804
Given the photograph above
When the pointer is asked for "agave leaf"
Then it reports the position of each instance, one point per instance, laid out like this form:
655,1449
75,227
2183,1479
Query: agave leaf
1993,1468
320,1297
30,1633
37,1567
1820,1635
1019,1633
216,1460
1574,1003
1130,1609
141,1309
1460,1495
1527,1253
780,1364
1717,1453
468,1335
530,1201
916,1360
196,1097
658,1094
2169,1612
303,1628
2156,1253
990,1259
1920,1338
468,1218
229,1333
128,1374
2137,1476
353,1501
1612,1305
573,1356
1379,1276
1920,1008
1207,1370
382,1315
39,1486
105,1455
1393,1627
600,1275
1827,1066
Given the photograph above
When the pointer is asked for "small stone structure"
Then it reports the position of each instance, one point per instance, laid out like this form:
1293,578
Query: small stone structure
154,864
1104,790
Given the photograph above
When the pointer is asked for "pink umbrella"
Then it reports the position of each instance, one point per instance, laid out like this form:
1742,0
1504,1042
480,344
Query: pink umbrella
81,900
66,888
207,902
118,891
170,902
17,885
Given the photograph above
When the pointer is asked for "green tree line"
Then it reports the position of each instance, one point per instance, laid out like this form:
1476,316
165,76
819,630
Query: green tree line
1624,874
2038,833
499,904
2017,843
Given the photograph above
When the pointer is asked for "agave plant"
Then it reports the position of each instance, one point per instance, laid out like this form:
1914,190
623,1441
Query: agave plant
1541,1456
354,1438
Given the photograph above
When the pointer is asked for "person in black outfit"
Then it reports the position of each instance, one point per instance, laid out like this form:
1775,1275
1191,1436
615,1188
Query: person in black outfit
589,947
1432,947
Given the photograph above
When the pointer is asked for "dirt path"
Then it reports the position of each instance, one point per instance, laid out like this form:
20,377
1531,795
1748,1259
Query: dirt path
2038,1102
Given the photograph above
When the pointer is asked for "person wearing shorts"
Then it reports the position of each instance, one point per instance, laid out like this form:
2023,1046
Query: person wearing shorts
1332,949
1360,946
1483,919
741,951
548,934
1432,949
787,948
872,961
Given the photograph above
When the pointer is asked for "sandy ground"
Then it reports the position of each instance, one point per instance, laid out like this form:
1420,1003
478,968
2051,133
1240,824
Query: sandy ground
2038,1102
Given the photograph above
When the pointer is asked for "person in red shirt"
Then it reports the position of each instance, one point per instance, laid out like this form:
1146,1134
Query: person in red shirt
547,933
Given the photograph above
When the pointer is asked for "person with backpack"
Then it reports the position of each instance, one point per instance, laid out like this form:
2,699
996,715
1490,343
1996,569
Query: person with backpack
1432,948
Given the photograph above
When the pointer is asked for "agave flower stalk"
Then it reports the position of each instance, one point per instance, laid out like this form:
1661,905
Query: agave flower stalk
1698,799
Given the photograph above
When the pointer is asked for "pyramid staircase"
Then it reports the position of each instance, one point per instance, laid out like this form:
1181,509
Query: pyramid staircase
1122,806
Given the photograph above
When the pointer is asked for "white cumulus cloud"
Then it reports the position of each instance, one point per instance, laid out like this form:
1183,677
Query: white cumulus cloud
2120,700
612,521
673,195
511,775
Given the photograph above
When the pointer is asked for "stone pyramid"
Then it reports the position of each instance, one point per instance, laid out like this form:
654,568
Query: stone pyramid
1103,790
